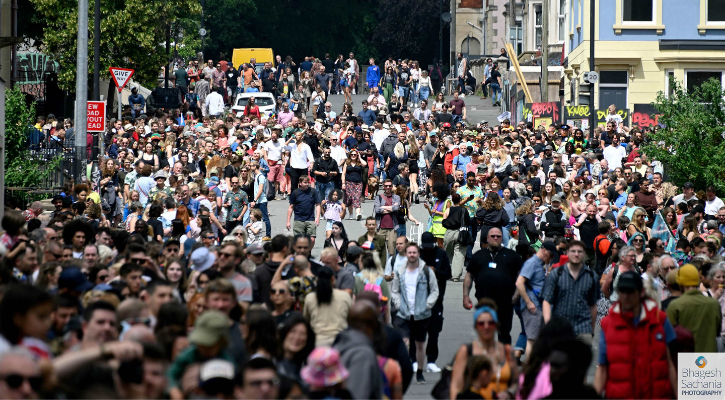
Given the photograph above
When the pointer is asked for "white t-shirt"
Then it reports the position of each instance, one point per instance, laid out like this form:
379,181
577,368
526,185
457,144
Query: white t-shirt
274,149
379,136
338,153
711,207
614,156
411,281
395,264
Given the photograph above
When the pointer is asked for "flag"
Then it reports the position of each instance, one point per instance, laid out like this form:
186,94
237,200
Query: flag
662,231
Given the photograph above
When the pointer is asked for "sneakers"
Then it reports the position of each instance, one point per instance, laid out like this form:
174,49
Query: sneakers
420,378
267,239
415,366
359,217
432,367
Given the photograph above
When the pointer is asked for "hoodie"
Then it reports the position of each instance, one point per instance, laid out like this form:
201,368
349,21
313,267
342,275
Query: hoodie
426,293
263,278
358,356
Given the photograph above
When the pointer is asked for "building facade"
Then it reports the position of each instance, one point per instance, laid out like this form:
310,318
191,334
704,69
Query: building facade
640,45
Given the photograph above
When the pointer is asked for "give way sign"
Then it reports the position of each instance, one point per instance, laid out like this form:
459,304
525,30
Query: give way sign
121,76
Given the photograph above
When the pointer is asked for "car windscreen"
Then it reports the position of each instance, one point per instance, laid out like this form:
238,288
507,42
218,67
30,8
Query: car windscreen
260,101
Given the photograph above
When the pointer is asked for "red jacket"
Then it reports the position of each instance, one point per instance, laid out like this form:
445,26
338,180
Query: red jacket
448,160
637,356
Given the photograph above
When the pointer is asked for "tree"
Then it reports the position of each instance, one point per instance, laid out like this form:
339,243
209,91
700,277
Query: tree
228,24
133,34
408,29
691,143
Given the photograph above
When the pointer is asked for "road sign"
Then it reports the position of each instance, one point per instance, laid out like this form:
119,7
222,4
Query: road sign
202,32
166,97
121,76
96,111
591,77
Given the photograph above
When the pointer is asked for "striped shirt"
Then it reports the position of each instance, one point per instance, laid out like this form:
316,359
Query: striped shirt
574,297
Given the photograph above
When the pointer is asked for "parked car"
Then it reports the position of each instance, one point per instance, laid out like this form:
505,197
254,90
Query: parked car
265,101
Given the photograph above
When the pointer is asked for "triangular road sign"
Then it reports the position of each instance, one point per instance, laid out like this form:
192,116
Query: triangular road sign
121,76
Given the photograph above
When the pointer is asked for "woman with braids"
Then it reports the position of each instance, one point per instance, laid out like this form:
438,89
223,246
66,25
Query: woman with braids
327,308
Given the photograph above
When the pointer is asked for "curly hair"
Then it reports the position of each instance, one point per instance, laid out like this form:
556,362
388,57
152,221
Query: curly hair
527,207
493,202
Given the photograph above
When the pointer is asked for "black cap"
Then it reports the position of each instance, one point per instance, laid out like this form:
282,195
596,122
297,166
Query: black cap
698,209
629,281
551,247
56,198
688,185
427,241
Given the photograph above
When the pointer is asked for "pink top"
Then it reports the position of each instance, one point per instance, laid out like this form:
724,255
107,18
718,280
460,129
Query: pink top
542,387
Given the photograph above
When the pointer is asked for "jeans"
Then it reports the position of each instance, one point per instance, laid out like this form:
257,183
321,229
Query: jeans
403,92
402,231
457,118
495,93
473,229
324,189
265,217
521,341
379,171
424,93
507,234
414,93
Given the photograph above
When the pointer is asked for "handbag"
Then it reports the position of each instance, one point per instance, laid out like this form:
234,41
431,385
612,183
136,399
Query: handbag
442,389
464,236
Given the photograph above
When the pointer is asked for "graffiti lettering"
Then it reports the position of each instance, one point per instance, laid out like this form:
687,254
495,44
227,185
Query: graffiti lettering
544,108
577,111
32,71
643,119
526,113
602,114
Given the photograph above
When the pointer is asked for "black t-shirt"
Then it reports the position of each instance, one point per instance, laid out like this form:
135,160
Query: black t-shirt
494,76
403,77
322,81
329,66
232,77
230,171
364,146
353,173
443,118
495,276
157,226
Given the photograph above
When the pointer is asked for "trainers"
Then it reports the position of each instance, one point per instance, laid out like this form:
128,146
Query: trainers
359,217
267,239
420,378
415,366
432,367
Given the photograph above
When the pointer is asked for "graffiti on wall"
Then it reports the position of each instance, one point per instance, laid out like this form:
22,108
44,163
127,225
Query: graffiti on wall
33,68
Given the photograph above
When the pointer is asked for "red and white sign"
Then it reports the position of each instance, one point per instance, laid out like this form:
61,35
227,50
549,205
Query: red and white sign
121,76
96,111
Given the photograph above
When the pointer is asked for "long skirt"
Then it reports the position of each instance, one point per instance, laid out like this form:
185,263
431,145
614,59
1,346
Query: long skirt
353,193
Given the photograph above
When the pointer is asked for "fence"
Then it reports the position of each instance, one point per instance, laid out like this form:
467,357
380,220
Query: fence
54,167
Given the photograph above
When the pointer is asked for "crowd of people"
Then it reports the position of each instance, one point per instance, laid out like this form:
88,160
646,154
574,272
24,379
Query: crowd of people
158,275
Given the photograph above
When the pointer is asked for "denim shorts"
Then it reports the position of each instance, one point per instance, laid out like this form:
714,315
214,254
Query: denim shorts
403,91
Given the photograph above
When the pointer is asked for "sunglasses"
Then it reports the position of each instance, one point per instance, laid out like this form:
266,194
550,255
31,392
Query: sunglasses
139,261
210,238
14,381
278,291
485,324
638,241
495,236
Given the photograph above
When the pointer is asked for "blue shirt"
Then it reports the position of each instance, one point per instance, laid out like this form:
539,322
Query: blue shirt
368,116
460,162
304,202
252,90
535,274
373,73
669,337
572,298
306,66
192,205
620,202
350,142
258,185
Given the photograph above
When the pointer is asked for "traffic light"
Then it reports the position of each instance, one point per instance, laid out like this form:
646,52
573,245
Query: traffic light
585,94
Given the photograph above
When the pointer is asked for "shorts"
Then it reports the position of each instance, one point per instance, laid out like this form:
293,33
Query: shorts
532,322
328,225
412,329
307,228
276,172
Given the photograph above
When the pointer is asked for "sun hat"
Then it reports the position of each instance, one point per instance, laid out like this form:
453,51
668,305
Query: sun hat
210,328
202,259
324,368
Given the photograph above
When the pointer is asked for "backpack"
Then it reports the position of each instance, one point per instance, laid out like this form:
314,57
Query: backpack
192,99
560,271
268,189
376,287
387,392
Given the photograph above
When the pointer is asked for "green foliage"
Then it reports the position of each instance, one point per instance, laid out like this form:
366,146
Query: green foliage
691,146
190,42
133,34
21,170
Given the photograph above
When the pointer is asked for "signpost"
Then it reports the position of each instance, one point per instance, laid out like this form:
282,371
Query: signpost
96,111
121,76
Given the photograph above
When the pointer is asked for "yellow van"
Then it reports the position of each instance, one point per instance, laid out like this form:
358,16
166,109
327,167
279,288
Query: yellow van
241,56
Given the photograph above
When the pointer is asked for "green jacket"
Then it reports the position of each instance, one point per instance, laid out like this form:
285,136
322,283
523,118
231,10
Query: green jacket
379,245
188,357
701,315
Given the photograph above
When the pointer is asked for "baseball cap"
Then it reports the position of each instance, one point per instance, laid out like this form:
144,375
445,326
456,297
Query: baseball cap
565,126
688,185
548,148
277,127
216,369
74,279
210,328
551,247
353,252
427,241
255,248
698,209
688,276
556,198
368,245
629,281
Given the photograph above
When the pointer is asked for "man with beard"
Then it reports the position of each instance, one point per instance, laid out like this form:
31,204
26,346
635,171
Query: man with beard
494,271
436,259
554,221
646,199
230,256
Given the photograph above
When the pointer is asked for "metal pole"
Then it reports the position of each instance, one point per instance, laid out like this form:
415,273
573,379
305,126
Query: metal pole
592,22
119,104
468,41
545,52
203,2
452,51
14,51
97,50
81,118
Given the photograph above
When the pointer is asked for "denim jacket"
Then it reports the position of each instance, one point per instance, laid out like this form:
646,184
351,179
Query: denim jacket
426,293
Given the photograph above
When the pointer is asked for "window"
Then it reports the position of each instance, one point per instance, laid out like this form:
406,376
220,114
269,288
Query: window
637,11
695,79
613,89
669,78
537,25
715,10
519,38
562,20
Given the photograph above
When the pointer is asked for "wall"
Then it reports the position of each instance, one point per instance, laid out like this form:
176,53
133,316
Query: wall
496,26
468,11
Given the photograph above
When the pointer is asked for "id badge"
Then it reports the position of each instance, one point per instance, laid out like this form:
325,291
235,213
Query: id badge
492,265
